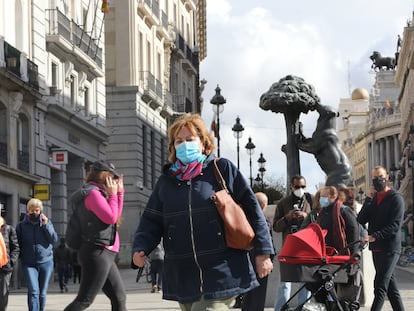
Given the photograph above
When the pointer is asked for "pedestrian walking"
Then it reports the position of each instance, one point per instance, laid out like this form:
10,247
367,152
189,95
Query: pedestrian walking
100,204
254,300
63,258
157,263
12,250
290,212
383,210
200,271
36,236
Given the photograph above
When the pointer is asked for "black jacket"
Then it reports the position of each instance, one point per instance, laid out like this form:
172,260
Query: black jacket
12,246
384,221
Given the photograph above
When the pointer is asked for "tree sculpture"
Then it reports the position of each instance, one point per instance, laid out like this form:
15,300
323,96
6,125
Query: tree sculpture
290,96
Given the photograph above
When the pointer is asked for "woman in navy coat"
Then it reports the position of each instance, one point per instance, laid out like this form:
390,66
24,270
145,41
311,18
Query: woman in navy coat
200,271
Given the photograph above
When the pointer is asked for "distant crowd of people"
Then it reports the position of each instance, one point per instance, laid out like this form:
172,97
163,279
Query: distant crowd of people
183,235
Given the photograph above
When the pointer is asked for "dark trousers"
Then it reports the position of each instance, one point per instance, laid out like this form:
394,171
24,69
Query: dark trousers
384,282
4,289
76,273
62,269
99,271
156,272
255,299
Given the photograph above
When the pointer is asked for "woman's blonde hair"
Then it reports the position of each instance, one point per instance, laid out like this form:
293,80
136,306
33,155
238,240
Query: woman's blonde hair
34,202
196,126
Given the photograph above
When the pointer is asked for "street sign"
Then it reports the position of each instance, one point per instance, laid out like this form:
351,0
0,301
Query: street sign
41,191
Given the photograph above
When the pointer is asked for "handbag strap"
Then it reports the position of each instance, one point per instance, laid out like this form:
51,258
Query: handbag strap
219,176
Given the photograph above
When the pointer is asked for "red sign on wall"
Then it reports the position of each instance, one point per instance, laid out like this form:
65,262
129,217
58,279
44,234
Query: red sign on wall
59,157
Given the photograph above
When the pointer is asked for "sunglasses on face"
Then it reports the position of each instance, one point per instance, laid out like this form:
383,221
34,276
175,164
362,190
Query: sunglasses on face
299,186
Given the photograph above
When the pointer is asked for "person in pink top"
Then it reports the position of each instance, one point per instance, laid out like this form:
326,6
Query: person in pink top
100,203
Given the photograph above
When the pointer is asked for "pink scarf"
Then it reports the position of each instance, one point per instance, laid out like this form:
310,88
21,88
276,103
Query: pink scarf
189,171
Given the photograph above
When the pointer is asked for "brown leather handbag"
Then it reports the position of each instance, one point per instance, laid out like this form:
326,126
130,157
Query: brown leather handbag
238,232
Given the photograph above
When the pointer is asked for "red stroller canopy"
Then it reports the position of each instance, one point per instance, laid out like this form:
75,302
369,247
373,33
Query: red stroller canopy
308,246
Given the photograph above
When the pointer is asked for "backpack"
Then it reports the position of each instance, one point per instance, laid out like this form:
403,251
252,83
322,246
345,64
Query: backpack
85,226
3,252
73,233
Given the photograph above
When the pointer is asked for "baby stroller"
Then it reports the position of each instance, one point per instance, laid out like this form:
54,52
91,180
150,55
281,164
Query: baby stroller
305,258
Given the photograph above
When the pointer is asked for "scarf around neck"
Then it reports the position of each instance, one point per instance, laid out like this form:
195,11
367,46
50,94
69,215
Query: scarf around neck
183,171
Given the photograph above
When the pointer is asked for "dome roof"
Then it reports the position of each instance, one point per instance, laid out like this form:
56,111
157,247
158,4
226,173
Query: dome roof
360,93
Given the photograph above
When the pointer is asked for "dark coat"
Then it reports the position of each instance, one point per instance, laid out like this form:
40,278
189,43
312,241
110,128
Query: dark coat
384,221
12,247
351,226
197,262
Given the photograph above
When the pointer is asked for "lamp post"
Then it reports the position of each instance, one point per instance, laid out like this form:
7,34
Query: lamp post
262,169
238,133
218,101
250,150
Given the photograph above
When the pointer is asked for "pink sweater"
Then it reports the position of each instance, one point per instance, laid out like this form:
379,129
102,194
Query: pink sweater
107,210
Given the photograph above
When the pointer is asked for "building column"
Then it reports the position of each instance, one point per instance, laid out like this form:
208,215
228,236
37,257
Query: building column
14,104
397,154
388,152
58,195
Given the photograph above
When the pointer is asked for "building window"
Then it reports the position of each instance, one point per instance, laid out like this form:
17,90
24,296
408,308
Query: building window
23,143
72,92
148,56
141,52
54,74
3,135
86,102
144,155
153,157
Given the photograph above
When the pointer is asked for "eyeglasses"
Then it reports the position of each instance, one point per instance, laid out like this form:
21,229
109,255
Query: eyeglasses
299,186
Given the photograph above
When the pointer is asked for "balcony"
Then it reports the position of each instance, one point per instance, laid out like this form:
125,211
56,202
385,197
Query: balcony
152,89
23,72
162,28
68,41
189,58
149,10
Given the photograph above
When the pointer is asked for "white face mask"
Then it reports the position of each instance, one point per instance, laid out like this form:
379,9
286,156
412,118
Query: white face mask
299,192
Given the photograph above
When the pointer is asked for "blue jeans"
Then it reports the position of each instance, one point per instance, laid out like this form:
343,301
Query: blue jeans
37,278
283,294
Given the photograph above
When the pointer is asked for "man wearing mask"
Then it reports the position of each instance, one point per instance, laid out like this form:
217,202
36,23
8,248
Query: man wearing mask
289,215
384,214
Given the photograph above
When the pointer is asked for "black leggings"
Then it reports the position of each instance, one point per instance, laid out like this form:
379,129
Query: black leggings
99,271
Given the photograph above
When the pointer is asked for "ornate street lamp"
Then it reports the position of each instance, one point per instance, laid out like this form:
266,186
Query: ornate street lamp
250,150
218,101
238,133
262,169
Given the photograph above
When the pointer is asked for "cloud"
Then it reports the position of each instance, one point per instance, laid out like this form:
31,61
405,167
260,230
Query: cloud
252,44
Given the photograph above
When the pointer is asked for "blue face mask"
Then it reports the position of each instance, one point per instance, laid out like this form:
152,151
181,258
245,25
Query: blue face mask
188,152
323,201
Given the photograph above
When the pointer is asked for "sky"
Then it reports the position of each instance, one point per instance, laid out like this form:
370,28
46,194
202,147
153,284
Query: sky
253,44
